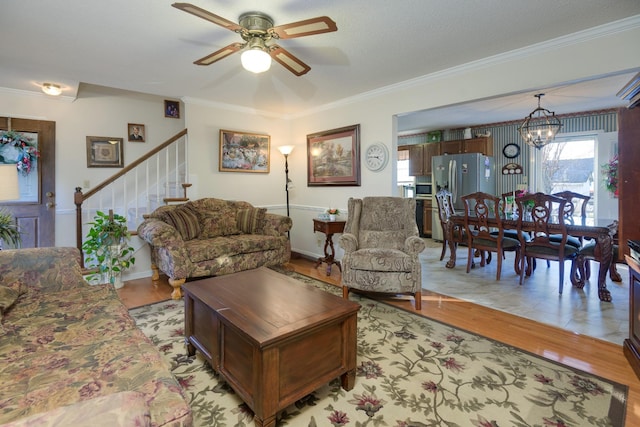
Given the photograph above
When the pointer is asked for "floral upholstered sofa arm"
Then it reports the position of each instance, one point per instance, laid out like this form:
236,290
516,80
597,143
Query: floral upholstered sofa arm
413,245
276,225
165,239
48,269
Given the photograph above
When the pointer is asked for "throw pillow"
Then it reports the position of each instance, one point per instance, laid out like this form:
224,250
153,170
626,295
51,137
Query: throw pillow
219,223
184,220
251,221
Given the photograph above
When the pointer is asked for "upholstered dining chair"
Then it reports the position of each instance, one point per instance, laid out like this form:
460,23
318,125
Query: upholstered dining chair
444,200
481,215
548,220
381,247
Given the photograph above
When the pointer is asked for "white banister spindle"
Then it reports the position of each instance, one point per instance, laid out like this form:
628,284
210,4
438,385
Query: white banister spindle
186,159
166,173
157,177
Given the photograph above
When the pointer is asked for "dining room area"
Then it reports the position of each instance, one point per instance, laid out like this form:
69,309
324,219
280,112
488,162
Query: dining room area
528,264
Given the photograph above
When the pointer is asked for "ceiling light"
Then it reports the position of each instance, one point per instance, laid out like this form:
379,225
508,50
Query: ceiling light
540,127
256,58
51,89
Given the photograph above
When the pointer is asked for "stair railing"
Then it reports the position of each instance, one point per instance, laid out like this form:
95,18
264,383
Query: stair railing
139,187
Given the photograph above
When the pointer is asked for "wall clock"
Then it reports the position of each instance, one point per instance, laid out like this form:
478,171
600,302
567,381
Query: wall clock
376,157
511,150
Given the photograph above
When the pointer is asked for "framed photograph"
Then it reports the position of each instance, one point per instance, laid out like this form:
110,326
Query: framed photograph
136,132
244,152
104,152
171,109
333,157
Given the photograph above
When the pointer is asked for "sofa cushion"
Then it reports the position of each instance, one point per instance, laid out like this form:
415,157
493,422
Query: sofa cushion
251,221
183,219
218,223
127,408
9,294
201,250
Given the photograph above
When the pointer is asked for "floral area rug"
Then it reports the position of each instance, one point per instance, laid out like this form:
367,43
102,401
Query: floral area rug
411,371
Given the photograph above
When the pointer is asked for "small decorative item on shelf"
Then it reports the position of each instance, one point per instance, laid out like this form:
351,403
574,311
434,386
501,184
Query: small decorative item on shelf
610,174
333,212
23,152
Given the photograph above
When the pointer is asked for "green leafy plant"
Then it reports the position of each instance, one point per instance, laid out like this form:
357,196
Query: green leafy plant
107,246
9,232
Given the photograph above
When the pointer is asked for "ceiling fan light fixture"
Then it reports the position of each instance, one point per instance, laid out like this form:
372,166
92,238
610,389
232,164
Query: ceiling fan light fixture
540,127
51,89
256,58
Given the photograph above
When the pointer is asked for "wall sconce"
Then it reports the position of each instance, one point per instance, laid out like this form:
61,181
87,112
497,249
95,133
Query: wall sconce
51,89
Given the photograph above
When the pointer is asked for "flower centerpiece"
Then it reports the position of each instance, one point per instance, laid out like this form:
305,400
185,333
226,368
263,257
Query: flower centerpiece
25,151
332,213
610,174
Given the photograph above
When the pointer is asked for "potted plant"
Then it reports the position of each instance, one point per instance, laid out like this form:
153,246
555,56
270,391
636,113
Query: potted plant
107,248
333,212
9,232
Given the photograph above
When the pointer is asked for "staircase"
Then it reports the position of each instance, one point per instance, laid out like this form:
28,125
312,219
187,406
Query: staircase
157,178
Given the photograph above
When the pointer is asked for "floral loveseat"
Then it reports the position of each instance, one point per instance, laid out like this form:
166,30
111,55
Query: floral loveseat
70,354
212,237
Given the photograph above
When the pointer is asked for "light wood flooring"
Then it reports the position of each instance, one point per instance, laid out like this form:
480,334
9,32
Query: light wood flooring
589,354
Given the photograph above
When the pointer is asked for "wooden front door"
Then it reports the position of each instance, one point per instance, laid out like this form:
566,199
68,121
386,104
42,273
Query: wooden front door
35,211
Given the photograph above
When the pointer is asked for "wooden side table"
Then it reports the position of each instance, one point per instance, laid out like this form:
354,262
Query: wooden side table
329,228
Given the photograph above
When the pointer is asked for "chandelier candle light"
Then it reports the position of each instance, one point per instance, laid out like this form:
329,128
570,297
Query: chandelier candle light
540,127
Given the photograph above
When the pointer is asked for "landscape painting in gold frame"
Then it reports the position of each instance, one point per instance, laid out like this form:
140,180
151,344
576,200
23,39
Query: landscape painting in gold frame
333,157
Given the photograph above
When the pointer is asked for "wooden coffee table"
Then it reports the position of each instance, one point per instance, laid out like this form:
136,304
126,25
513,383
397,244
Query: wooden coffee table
272,338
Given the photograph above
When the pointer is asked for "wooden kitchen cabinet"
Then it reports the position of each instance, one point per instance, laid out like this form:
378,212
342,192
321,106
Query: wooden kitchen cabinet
420,158
482,145
427,217
416,160
452,147
430,150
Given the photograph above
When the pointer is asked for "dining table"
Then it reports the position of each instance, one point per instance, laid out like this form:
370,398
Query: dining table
602,230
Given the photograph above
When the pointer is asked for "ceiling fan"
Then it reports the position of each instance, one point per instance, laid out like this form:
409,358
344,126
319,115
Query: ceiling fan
257,31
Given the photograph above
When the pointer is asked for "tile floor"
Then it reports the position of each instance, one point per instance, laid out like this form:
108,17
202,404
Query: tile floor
577,310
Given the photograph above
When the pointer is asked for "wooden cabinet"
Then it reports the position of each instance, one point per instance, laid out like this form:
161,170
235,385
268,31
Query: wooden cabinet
430,150
420,158
452,147
427,213
631,345
420,155
416,160
482,145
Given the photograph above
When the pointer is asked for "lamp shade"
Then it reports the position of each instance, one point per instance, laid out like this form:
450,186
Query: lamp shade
9,189
286,149
255,60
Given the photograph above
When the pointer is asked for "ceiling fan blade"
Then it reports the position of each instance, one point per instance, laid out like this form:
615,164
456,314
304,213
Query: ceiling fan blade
205,14
288,61
220,54
308,27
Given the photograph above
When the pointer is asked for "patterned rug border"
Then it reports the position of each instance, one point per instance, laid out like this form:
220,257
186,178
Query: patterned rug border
618,407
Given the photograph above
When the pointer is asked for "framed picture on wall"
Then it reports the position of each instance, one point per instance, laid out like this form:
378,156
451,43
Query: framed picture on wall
171,109
244,152
104,152
136,132
333,157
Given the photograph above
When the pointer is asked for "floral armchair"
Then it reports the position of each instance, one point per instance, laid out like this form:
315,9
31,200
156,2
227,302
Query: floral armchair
381,245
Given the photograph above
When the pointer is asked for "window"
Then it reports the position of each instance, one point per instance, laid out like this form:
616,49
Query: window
405,181
568,164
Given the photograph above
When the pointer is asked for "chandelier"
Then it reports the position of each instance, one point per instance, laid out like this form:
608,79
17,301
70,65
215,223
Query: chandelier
540,127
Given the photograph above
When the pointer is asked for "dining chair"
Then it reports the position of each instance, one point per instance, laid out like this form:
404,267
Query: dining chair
444,199
481,215
546,220
589,252
576,203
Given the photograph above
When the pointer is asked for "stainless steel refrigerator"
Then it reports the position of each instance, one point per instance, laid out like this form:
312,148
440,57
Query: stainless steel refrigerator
461,174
